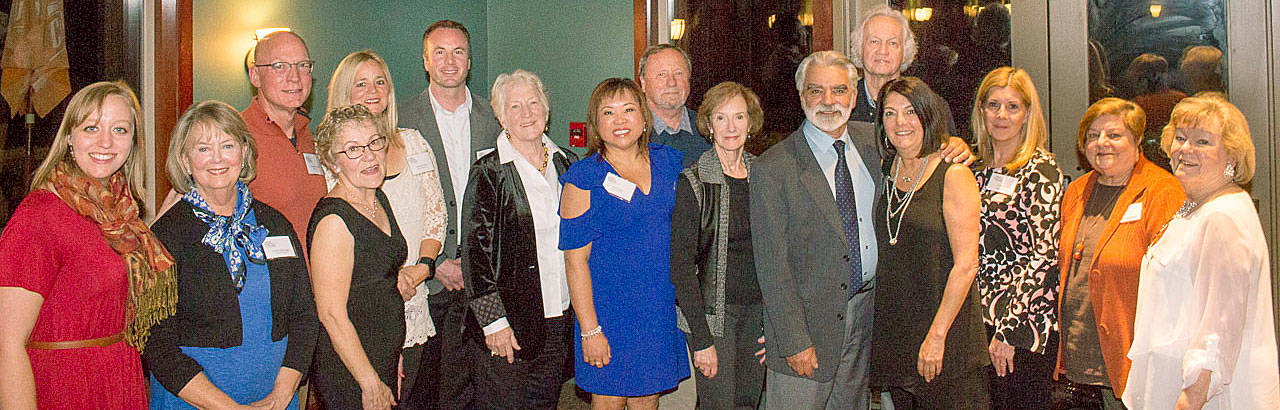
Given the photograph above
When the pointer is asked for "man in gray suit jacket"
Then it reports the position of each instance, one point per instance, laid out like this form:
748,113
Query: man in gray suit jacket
460,127
816,262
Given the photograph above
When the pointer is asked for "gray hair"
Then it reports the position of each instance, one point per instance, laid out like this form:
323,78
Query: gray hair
828,58
657,48
908,38
503,84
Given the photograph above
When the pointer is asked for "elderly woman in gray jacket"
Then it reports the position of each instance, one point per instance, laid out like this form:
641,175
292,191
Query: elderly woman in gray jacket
712,263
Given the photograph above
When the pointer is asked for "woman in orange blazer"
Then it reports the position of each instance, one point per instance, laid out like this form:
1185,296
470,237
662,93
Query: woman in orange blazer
1109,216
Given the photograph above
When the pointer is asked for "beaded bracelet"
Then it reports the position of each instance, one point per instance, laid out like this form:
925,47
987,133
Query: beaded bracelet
592,332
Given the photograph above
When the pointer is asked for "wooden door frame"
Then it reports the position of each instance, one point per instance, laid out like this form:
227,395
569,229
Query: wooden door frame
173,80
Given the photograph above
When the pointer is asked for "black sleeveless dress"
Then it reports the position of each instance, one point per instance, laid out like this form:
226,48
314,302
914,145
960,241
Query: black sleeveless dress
373,303
911,277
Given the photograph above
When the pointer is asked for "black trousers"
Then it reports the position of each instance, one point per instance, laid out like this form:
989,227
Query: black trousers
964,391
526,384
740,377
1030,386
444,379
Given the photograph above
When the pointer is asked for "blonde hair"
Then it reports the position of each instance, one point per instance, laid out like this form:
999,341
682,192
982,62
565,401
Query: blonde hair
1034,133
207,116
344,78
1215,115
84,103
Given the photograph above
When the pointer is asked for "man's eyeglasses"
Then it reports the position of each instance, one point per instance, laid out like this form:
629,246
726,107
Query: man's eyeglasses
280,67
357,151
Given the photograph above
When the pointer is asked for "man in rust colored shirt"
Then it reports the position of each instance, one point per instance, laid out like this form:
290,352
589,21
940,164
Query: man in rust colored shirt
290,178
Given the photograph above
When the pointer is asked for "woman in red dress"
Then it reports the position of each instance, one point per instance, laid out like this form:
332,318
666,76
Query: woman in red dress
82,278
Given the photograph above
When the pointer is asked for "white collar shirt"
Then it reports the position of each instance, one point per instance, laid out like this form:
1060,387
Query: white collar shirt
455,135
543,191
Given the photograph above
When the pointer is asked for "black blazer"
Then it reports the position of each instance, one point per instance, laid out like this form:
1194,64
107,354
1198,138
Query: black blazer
208,312
499,257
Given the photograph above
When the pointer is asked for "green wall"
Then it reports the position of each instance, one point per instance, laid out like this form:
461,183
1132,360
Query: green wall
223,34
571,44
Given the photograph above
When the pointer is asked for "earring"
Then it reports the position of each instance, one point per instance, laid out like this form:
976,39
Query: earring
1229,171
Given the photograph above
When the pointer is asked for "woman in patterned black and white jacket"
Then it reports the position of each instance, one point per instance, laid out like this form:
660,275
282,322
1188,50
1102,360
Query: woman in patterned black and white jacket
1021,188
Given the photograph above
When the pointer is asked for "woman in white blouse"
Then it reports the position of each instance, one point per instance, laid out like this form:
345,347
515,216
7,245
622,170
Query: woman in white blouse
1203,332
413,188
518,316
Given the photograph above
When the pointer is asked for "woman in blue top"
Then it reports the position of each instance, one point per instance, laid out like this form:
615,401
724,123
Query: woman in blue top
245,327
616,233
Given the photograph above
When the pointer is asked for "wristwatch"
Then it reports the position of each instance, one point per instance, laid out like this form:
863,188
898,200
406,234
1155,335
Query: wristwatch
431,266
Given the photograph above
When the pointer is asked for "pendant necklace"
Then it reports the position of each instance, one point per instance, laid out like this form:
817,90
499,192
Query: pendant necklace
904,201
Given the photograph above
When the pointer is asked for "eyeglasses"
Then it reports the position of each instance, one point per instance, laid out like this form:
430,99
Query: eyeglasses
280,67
357,151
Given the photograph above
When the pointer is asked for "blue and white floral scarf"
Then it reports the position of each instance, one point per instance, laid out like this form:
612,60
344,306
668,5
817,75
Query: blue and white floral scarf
231,236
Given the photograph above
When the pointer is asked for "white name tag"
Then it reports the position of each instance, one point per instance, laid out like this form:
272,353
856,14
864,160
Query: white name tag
313,164
421,163
278,247
483,152
619,186
1002,184
1133,213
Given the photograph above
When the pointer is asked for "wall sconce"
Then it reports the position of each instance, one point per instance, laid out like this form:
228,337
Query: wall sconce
677,29
806,19
914,12
772,18
1156,9
971,9
924,13
259,34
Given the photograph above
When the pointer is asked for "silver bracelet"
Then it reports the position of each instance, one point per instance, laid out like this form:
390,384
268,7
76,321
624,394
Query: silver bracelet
593,332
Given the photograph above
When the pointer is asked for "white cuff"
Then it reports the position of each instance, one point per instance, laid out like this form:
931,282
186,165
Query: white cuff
496,326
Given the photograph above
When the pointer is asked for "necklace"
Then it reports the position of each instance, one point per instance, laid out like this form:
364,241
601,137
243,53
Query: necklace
367,209
904,201
1187,208
546,159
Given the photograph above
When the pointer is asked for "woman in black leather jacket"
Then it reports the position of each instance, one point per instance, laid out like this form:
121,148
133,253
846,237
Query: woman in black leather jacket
712,262
519,313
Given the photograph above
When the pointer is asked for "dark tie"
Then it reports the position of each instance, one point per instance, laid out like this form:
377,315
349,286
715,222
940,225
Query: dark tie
849,215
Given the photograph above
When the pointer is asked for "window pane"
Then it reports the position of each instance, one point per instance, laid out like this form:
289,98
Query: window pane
1156,53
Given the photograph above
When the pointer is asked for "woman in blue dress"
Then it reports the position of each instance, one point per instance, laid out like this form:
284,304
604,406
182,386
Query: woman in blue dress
616,233
245,326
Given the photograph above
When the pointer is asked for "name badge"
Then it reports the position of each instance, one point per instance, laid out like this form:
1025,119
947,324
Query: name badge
278,247
1133,213
420,163
619,187
313,164
483,152
1002,184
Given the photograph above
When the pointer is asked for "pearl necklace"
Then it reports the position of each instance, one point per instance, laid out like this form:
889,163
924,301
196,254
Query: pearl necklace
904,201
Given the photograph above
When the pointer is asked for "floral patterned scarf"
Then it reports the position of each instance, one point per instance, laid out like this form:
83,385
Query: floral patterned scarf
237,241
153,292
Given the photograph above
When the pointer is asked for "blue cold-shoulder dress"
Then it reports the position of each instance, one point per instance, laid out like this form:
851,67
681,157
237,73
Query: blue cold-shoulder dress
630,266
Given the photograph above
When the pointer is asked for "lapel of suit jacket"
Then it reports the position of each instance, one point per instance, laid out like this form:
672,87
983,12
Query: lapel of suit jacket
815,182
863,135
430,131
483,136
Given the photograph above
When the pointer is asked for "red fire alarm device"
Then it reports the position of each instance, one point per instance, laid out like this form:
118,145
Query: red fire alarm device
578,134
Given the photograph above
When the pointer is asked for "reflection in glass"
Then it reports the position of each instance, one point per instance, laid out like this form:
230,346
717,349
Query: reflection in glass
1156,56
758,44
959,43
